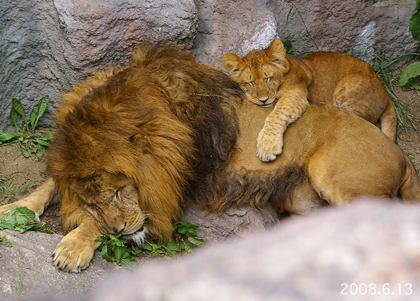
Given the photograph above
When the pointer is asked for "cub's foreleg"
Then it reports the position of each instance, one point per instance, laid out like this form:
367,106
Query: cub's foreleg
291,105
38,200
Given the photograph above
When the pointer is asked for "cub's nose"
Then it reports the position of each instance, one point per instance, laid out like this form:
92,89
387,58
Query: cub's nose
264,100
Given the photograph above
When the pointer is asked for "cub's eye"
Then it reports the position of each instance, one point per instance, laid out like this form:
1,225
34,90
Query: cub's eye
251,83
267,79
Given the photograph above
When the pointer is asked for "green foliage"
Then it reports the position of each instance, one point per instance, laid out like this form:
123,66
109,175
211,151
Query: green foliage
123,252
288,46
380,66
115,250
409,74
25,135
415,22
21,219
5,241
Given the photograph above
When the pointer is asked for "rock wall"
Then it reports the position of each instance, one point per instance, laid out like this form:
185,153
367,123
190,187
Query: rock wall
49,45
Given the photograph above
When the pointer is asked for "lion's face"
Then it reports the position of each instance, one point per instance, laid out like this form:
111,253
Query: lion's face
260,73
112,201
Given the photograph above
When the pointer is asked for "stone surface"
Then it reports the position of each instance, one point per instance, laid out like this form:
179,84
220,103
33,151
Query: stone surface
26,269
48,46
374,243
379,27
233,224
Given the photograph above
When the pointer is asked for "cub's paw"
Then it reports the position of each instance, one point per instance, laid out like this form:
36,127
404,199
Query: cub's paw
74,252
269,146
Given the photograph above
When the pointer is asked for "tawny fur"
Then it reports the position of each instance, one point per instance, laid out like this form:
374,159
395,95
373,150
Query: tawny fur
135,144
272,77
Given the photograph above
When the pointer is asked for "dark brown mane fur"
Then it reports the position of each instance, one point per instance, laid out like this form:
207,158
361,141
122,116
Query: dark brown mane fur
160,116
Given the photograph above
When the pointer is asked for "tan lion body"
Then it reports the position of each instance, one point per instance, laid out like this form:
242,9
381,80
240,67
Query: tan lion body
134,145
273,78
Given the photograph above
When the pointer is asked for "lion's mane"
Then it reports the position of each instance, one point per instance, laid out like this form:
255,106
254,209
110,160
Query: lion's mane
161,120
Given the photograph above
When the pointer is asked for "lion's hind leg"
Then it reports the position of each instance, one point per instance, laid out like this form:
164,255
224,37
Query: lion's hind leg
365,96
37,201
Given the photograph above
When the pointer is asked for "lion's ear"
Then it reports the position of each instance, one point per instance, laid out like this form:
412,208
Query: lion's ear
232,64
277,53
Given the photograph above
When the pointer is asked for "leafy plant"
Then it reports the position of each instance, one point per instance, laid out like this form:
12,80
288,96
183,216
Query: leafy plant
123,252
380,65
21,219
25,135
415,22
409,74
412,71
116,250
4,241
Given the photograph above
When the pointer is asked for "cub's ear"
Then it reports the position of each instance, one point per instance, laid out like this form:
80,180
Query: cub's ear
232,64
277,53
137,137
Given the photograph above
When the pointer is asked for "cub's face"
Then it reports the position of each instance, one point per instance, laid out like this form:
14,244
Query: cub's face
112,201
261,84
260,73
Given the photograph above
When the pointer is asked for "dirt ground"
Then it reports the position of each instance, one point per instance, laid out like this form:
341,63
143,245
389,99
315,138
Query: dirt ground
19,175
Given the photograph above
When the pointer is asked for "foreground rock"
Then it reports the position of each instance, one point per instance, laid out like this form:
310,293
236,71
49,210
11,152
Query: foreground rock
26,268
369,251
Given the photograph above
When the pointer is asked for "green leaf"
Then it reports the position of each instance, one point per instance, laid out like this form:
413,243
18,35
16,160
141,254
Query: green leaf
42,106
25,152
32,118
411,71
4,241
415,24
288,46
119,252
48,136
42,142
13,116
20,219
17,105
20,215
413,85
7,136
127,261
195,241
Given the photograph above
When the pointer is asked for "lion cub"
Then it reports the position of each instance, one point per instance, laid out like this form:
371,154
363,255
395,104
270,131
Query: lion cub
274,78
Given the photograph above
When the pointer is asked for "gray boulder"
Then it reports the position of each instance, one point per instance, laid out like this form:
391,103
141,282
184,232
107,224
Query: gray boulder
361,27
48,46
26,269
367,251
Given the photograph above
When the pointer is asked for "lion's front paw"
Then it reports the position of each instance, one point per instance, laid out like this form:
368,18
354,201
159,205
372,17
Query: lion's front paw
269,145
22,203
74,252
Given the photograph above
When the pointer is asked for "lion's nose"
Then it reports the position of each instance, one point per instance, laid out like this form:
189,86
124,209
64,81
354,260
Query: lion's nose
116,231
264,100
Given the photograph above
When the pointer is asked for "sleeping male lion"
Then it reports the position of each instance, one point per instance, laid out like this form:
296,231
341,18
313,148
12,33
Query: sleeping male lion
135,144
334,78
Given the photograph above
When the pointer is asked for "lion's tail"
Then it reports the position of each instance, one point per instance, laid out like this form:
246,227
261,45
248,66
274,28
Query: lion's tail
410,187
389,121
